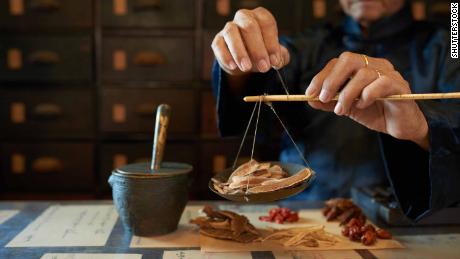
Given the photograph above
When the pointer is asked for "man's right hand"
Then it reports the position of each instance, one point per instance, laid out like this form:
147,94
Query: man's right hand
249,43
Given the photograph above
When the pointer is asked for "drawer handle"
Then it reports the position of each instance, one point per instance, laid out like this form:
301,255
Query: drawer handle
47,165
45,5
146,110
145,5
44,57
47,111
149,58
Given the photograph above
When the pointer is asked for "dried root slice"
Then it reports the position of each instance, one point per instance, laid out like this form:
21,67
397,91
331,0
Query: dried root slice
255,177
224,224
297,237
278,184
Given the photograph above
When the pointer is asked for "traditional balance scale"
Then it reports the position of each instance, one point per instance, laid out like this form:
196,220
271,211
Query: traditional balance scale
150,197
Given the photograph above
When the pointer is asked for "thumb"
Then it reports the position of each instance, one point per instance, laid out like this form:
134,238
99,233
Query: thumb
285,57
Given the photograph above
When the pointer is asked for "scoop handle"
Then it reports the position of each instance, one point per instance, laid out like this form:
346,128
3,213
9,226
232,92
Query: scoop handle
159,139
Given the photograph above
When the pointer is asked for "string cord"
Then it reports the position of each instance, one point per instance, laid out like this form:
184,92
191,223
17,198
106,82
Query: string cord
253,145
244,137
282,82
289,134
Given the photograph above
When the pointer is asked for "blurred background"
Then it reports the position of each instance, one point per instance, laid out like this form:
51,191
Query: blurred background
80,82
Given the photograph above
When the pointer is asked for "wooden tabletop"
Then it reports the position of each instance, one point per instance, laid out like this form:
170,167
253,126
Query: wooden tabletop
416,239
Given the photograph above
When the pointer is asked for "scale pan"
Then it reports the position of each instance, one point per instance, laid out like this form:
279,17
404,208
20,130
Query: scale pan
289,168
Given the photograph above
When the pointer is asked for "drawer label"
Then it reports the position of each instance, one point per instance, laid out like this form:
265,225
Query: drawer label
16,7
223,7
119,60
18,112
418,10
14,59
120,7
219,163
119,113
119,160
319,8
18,164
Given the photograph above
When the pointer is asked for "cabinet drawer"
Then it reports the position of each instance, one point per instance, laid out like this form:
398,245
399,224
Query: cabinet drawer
115,155
208,115
148,13
207,54
32,14
46,114
27,58
218,12
148,58
47,166
133,111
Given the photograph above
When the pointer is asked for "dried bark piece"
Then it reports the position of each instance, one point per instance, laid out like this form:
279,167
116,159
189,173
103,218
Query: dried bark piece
244,181
290,181
244,169
226,225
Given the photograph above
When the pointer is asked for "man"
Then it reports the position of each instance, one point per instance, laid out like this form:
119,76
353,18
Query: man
378,51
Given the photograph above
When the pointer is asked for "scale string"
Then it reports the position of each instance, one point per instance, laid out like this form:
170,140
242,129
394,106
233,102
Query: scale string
253,147
244,136
282,81
289,135
255,131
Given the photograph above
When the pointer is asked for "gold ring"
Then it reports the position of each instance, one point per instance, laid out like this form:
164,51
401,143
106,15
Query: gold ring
366,61
378,73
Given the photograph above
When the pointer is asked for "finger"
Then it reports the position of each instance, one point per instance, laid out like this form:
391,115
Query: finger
347,64
316,83
353,89
382,87
285,57
252,36
269,31
235,44
327,107
222,54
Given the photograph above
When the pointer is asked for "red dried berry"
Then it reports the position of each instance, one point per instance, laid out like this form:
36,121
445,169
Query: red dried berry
383,234
346,231
354,233
368,238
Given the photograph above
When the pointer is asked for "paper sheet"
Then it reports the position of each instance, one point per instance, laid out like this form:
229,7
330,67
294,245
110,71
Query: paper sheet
307,218
197,254
90,256
343,254
70,225
186,235
444,246
7,214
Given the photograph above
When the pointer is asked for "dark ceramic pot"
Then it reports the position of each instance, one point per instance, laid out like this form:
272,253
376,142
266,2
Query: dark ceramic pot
150,203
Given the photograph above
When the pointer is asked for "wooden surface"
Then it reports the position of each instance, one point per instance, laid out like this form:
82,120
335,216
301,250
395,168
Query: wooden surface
420,242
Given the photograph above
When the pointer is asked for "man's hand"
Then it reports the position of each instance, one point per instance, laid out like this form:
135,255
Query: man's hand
249,43
352,79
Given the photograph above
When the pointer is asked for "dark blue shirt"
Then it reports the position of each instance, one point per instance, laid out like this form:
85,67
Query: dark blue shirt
345,154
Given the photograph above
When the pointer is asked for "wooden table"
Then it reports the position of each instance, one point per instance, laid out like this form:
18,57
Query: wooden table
119,240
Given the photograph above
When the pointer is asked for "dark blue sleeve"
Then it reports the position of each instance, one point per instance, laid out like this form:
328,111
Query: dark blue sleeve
425,182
